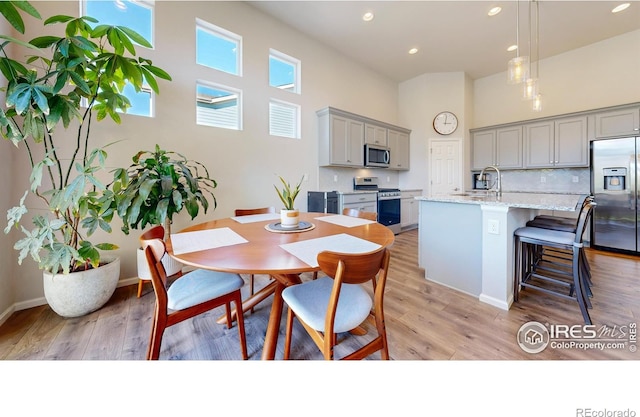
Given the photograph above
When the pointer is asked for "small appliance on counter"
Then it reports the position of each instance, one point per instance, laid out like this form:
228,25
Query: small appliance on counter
481,183
322,201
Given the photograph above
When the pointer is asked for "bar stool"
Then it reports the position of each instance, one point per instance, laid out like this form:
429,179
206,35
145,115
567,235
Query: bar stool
564,224
532,270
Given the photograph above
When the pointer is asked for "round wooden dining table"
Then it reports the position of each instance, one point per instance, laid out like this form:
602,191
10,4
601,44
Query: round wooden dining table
261,253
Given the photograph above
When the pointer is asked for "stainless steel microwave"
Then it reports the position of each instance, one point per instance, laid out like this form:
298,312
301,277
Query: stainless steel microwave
376,156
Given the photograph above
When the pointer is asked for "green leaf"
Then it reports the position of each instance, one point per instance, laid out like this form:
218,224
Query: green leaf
25,6
45,41
8,10
136,37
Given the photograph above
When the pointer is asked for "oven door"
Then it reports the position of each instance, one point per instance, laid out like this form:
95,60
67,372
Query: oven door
389,213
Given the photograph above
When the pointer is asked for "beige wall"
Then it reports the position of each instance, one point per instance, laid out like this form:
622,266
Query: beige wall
599,75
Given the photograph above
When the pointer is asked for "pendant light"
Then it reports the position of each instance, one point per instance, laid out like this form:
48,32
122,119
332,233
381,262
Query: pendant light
530,89
518,68
537,97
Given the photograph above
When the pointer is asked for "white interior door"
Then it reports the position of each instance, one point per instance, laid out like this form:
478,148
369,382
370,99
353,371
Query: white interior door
445,166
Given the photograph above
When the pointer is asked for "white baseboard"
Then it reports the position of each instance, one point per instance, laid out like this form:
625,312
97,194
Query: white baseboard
36,302
501,304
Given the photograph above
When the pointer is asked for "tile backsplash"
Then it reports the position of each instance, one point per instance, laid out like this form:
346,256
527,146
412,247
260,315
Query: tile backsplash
557,180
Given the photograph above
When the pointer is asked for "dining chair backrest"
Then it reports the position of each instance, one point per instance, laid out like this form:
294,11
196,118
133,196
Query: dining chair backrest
355,268
155,248
369,215
261,210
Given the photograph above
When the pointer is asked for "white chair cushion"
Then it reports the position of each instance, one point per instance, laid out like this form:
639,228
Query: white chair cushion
199,286
310,301
547,235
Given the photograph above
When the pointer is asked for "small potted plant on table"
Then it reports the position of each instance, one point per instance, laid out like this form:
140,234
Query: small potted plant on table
289,215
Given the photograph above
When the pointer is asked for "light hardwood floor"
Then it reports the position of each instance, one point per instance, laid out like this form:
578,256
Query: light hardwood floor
425,321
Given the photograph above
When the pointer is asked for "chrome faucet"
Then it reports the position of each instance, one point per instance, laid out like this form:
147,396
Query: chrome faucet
497,184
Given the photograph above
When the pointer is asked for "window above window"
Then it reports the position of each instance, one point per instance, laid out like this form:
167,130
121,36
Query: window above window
218,48
284,71
136,15
218,106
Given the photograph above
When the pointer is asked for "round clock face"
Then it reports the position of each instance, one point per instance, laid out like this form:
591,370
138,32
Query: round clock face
445,123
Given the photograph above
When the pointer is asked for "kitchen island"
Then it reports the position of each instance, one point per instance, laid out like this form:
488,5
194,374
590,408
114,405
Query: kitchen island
465,240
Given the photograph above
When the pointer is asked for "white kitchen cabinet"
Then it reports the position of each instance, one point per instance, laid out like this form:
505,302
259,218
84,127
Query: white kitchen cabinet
341,141
376,135
409,209
362,201
615,123
399,148
558,143
501,147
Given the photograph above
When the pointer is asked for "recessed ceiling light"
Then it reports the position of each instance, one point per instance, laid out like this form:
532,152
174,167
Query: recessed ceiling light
494,11
367,17
512,48
621,7
413,51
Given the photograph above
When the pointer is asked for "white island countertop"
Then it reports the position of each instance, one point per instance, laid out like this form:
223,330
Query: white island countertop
540,201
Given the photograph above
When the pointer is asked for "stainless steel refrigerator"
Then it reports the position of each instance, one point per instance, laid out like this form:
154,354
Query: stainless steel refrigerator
614,184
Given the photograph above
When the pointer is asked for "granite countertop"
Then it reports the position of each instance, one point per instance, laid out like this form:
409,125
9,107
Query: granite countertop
540,201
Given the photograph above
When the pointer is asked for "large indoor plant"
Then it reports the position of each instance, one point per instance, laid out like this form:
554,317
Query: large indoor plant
158,185
67,83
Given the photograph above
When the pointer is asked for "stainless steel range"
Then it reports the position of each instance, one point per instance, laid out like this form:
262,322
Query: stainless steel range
388,201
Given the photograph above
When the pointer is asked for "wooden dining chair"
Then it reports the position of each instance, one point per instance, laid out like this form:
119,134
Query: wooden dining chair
369,215
336,303
192,294
156,233
248,212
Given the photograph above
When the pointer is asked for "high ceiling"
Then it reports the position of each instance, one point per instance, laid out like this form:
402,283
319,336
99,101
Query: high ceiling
451,36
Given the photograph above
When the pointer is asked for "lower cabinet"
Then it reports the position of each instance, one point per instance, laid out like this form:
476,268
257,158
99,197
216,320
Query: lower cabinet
409,209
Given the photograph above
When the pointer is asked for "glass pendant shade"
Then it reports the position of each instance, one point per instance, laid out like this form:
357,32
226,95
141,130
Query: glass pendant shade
530,89
518,70
537,103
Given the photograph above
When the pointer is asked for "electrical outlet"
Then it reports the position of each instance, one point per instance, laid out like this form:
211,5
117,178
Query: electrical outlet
575,178
335,178
305,177
543,179
493,227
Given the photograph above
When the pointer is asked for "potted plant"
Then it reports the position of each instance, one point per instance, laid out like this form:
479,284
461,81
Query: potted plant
158,185
289,215
70,82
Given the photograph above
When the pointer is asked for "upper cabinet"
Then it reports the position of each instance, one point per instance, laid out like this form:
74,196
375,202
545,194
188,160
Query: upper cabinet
501,147
623,122
375,135
557,143
342,135
399,148
341,141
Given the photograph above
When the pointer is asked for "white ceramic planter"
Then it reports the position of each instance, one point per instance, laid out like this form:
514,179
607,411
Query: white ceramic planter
80,293
289,219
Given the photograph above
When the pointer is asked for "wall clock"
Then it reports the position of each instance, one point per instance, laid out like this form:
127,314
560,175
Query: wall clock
445,123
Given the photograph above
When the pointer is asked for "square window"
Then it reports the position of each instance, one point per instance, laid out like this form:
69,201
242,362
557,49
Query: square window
284,71
218,106
136,15
218,48
284,119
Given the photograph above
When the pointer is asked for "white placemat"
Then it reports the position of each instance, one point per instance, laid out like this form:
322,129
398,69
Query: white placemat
254,218
204,239
307,250
346,221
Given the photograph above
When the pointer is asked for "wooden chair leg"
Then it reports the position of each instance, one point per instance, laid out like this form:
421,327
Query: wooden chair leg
240,320
156,340
140,284
227,307
287,339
